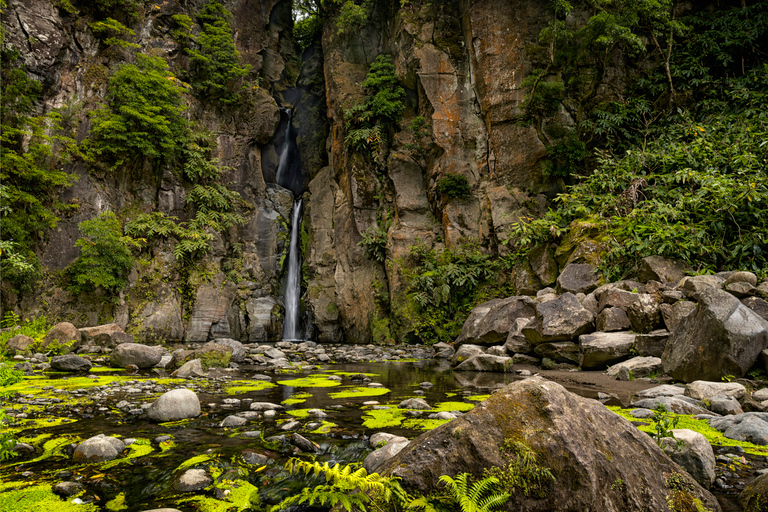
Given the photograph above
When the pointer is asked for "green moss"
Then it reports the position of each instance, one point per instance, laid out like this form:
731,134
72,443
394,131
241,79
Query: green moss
244,386
140,448
117,503
299,413
383,418
714,436
478,398
453,406
39,497
358,392
297,398
312,381
423,424
325,428
198,460
242,495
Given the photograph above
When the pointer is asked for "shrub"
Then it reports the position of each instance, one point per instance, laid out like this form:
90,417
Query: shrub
453,185
353,17
105,256
375,243
114,33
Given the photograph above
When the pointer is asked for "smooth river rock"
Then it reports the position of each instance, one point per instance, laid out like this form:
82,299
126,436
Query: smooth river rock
174,405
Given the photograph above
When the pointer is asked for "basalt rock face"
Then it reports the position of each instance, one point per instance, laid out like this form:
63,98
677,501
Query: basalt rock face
585,446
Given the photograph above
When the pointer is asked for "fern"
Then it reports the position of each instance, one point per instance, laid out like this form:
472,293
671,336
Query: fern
470,498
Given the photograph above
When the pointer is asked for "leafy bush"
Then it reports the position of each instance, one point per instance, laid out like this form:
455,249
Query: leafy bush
368,122
105,255
114,33
143,115
375,243
216,71
353,16
454,185
9,376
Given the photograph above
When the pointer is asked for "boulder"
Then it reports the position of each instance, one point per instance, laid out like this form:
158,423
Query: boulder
211,355
465,352
20,344
497,350
742,277
755,495
70,363
585,446
639,366
651,344
663,390
602,349
673,314
62,333
443,350
526,282
695,455
233,421
414,403
142,356
753,429
238,349
693,286
190,369
174,405
740,290
721,337
612,319
525,359
516,342
559,351
304,444
644,314
725,405
543,264
376,458
617,298
756,304
486,363
578,278
676,404
703,390
561,319
658,268
98,449
195,479
107,335
490,322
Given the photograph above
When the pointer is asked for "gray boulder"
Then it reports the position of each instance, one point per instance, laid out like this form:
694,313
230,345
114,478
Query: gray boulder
616,297
695,455
107,335
465,352
584,445
639,366
211,355
704,390
663,390
516,342
676,404
136,354
751,428
725,405
233,421
62,333
20,344
740,290
755,495
561,319
174,405
658,268
651,344
70,363
742,277
490,322
443,350
644,314
578,278
376,458
612,319
414,403
756,304
722,337
190,369
238,349
559,351
486,363
673,314
98,449
694,286
602,349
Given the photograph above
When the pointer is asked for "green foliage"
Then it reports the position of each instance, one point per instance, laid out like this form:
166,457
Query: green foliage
7,440
566,157
143,115
346,485
421,133
216,71
31,153
368,121
307,31
105,255
454,185
375,243
663,424
473,498
681,497
182,30
523,473
36,328
9,376
353,16
114,33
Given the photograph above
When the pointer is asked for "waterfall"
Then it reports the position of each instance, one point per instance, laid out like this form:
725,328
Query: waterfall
293,281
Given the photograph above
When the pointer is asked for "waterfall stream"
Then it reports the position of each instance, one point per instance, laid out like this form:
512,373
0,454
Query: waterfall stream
293,281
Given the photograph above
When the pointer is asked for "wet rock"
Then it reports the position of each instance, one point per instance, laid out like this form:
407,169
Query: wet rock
651,344
559,352
695,455
569,434
490,322
559,320
497,350
465,352
578,278
238,350
20,344
485,363
443,350
211,355
254,458
755,494
658,268
265,406
376,458
192,480
601,349
304,444
644,314
290,425
704,390
174,405
233,421
317,413
722,337
98,449
190,369
142,356
70,363
66,489
525,359
414,403
638,366
612,319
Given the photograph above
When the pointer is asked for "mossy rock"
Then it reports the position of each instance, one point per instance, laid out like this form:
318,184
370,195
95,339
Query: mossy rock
584,243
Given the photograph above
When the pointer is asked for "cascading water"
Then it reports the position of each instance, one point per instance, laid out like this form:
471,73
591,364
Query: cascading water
289,176
293,281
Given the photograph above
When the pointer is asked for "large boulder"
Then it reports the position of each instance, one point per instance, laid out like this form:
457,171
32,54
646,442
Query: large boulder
703,390
658,268
70,363
578,278
601,349
62,334
107,335
559,351
376,458
238,349
638,366
137,354
673,314
178,404
652,344
695,454
586,447
758,305
20,344
465,352
644,315
486,363
98,448
722,337
694,286
561,319
490,322
211,355
516,342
